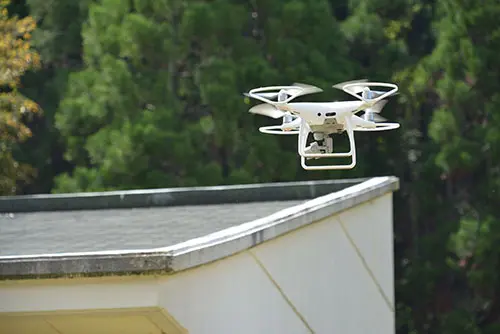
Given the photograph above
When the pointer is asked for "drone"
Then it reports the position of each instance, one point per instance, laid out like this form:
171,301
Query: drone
324,119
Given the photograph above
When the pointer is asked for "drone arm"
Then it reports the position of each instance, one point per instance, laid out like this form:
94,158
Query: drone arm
358,122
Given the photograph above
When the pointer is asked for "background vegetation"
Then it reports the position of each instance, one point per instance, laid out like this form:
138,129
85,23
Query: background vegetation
147,93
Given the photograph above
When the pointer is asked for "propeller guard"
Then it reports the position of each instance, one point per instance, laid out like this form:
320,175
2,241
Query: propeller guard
394,87
277,130
301,90
382,126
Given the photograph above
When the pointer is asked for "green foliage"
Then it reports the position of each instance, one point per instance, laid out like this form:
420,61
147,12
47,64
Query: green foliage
16,58
458,90
161,90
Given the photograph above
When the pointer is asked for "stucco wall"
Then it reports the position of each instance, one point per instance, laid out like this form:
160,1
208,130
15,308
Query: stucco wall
333,276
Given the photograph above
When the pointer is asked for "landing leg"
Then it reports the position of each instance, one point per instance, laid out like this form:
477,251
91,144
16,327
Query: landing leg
329,144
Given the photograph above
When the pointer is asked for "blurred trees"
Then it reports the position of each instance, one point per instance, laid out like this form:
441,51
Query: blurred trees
147,93
16,57
159,101
457,87
59,42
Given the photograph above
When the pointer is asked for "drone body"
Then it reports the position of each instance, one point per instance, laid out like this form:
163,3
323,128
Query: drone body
323,119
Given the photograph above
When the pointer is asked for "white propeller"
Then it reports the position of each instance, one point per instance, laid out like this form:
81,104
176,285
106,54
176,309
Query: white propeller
355,88
266,109
265,94
372,117
367,93
377,107
299,90
269,110
372,113
304,89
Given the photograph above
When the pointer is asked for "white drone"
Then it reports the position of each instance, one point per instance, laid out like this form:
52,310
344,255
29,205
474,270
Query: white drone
323,119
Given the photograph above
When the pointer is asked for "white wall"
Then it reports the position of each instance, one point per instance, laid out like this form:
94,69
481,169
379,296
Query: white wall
334,276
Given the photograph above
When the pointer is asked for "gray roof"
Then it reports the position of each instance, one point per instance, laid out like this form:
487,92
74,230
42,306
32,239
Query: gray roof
120,229
165,230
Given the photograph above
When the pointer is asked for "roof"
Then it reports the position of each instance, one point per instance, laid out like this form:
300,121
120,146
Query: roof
112,229
140,231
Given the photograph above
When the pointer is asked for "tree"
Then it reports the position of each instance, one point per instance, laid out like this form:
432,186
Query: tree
58,40
159,101
453,97
16,58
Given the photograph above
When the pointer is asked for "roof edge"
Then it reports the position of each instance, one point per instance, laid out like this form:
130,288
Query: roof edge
259,192
197,251
235,239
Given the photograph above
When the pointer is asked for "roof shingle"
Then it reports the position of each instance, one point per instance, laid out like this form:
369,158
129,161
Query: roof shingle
121,229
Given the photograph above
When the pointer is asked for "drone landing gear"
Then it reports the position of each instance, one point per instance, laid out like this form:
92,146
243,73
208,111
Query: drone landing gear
316,151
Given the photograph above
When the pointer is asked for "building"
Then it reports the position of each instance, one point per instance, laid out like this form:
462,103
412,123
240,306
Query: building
301,257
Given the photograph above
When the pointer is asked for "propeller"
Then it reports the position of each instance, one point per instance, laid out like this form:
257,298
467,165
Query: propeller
269,110
372,117
290,122
372,113
282,95
365,91
266,109
377,107
264,94
355,88
369,94
305,89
